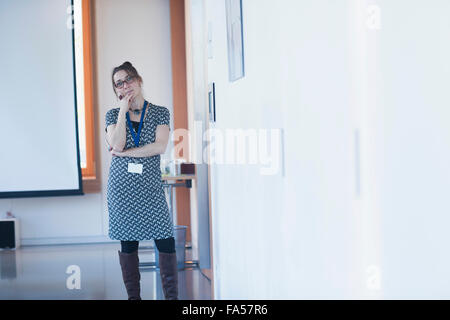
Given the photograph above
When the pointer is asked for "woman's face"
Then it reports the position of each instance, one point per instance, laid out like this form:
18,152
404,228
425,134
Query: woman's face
126,84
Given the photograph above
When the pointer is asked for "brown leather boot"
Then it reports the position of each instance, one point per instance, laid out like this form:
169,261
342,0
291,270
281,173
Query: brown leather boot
169,274
129,262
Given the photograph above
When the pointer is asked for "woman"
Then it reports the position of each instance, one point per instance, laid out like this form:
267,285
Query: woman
138,132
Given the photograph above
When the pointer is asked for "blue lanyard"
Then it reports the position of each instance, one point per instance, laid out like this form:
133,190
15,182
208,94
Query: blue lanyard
137,136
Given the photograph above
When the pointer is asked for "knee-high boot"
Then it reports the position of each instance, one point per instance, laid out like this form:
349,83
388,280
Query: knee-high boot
169,275
129,262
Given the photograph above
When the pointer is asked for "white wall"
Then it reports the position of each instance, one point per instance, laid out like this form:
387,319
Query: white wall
291,236
198,115
334,226
413,133
143,28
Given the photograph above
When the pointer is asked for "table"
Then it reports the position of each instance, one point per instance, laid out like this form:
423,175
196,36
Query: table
187,182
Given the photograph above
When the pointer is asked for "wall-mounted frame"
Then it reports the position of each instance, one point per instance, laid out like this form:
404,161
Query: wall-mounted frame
212,102
235,40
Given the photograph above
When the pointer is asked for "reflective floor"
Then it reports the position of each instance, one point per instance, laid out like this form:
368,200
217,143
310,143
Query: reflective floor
88,271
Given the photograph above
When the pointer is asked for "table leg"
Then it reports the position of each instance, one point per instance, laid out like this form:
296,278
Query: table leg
171,204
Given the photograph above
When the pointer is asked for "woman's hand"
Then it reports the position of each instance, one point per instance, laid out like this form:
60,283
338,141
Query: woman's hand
126,102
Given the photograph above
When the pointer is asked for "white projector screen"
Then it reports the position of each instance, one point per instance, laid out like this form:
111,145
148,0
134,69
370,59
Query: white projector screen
39,152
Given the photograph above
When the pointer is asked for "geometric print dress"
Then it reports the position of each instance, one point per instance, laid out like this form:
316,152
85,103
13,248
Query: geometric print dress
137,205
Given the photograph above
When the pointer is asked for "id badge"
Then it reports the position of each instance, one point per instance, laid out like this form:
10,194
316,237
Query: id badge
135,167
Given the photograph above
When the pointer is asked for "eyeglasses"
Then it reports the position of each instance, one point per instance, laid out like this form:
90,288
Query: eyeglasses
119,84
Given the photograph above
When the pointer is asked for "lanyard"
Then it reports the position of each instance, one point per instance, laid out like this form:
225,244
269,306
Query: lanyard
137,136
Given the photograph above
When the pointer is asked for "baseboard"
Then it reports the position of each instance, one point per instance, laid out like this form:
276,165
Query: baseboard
65,240
26,242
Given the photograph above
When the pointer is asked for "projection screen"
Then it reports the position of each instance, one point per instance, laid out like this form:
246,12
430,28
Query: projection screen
39,152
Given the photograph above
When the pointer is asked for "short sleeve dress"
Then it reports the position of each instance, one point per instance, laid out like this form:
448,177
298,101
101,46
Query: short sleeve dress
137,205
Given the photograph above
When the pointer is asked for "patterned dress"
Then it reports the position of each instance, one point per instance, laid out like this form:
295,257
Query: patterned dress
137,204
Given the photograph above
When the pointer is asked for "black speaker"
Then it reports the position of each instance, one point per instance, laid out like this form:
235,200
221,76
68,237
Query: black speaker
7,234
187,168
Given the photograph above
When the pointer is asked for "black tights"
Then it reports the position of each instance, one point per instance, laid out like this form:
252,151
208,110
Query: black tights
163,245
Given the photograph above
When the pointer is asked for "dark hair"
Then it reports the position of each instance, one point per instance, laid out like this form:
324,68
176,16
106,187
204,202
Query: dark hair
129,69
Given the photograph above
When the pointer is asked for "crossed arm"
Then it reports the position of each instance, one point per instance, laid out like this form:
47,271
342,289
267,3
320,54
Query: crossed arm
148,150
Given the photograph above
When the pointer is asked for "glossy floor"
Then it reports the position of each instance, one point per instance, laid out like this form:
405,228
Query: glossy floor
54,272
